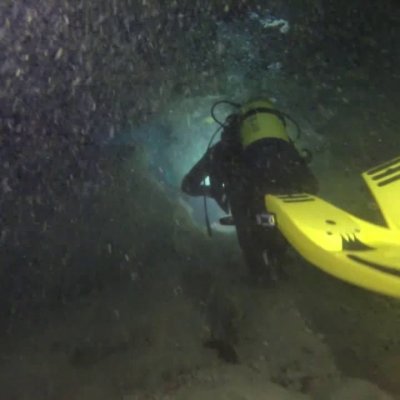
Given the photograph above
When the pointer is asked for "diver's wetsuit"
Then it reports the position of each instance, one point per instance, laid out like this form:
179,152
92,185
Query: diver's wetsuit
239,181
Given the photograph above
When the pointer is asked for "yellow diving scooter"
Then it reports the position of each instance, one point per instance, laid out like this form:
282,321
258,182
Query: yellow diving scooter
347,247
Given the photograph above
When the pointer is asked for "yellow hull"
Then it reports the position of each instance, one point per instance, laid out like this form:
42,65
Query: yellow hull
341,244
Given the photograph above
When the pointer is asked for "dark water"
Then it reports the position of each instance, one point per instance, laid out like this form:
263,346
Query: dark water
108,288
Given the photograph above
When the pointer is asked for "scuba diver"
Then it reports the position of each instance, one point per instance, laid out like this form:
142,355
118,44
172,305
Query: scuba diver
254,157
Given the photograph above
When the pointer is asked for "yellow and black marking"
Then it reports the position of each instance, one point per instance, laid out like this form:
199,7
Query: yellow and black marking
339,243
296,198
260,120
386,173
383,268
384,184
267,110
354,244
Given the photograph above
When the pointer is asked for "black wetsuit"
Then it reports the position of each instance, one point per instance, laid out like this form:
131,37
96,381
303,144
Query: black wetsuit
239,180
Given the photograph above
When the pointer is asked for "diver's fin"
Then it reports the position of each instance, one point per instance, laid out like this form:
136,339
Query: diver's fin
384,183
339,243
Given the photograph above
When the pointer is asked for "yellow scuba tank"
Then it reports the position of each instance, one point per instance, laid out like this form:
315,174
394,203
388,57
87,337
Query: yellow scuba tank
261,120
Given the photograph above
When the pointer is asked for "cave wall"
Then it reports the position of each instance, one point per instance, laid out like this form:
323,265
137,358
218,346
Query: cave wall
76,73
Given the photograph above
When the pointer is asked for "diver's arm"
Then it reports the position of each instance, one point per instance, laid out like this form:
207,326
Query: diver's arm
193,182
